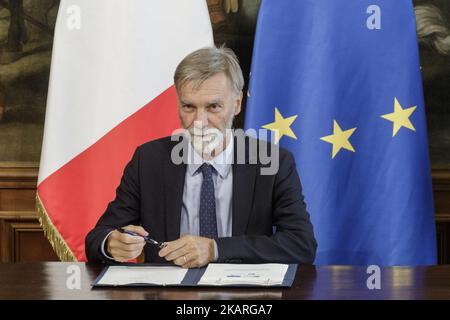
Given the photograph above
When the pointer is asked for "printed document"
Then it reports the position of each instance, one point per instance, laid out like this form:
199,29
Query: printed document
157,275
270,274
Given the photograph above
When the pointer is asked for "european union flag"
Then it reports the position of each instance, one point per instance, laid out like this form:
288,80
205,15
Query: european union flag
340,82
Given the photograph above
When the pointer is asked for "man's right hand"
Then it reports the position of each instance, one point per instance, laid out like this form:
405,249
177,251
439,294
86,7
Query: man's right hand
124,247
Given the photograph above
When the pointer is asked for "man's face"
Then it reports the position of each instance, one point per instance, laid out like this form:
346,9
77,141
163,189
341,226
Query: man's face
207,111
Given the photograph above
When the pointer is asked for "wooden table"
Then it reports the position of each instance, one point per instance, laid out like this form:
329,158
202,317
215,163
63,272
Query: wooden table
47,280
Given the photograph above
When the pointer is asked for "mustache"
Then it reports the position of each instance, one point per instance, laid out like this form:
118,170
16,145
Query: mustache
203,132
205,135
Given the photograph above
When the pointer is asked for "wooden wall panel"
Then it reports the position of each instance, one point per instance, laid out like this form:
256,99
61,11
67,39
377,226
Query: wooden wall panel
441,194
22,238
442,235
30,244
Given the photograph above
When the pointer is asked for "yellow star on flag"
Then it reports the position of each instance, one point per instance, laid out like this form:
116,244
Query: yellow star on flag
339,139
400,117
281,126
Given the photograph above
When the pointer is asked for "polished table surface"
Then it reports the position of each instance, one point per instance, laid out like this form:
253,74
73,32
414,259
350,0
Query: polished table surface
47,280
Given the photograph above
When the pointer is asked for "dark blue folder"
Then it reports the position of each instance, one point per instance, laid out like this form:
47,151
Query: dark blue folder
193,276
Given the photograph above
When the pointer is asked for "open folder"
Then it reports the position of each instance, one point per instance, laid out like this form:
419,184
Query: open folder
215,274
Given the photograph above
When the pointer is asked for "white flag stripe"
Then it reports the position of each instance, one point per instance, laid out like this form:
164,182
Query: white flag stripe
109,68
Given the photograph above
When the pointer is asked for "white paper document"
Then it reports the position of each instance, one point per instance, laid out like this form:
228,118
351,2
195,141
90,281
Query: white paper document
218,274
157,275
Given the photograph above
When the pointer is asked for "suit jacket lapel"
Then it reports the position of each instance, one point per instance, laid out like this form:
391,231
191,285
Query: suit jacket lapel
244,178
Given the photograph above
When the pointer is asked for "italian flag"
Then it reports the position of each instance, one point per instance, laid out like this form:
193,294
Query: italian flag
111,89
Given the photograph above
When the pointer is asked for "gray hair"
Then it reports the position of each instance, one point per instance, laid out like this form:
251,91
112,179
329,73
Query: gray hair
432,28
204,63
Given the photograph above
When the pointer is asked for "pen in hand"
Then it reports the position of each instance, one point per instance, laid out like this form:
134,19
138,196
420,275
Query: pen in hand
147,239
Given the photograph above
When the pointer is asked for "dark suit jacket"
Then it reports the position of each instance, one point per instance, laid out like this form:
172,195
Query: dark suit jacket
150,194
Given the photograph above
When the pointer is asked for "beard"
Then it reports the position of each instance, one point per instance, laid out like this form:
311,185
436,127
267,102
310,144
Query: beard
208,142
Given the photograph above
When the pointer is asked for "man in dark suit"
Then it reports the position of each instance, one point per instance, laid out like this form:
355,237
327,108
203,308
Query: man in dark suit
207,197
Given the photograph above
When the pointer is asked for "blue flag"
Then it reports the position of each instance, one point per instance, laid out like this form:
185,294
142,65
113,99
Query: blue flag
340,82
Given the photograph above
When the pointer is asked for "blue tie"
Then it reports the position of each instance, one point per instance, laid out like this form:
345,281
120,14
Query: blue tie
207,213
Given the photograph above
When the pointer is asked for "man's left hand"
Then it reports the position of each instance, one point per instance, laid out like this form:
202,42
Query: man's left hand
189,251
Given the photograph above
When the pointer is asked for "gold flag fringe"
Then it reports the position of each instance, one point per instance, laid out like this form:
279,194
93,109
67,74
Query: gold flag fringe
54,237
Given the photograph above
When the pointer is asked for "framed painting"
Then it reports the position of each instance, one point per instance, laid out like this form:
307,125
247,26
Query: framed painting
26,35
